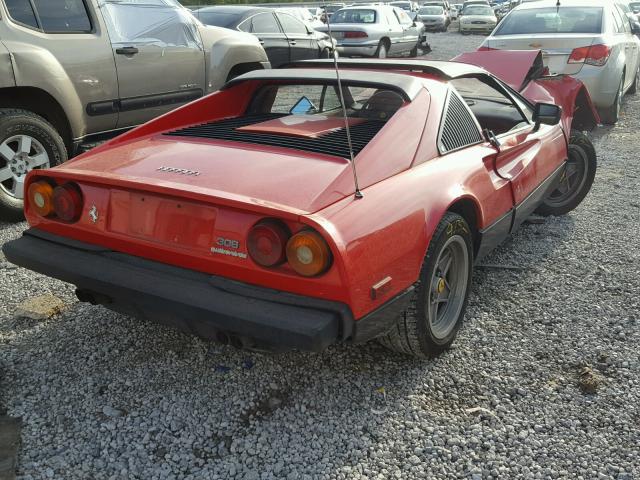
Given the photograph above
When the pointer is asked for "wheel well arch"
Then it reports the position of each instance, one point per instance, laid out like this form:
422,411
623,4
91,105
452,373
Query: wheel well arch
386,41
583,118
468,209
41,103
241,68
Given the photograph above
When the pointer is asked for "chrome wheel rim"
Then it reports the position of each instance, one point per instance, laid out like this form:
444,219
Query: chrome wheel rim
382,52
572,179
19,155
447,288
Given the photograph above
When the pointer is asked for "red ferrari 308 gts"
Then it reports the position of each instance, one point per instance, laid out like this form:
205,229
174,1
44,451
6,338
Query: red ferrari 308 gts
236,217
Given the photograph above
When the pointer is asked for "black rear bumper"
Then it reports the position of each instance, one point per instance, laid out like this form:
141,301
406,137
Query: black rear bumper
211,307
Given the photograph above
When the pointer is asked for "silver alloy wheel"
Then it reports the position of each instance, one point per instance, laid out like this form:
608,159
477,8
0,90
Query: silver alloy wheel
19,155
572,180
447,289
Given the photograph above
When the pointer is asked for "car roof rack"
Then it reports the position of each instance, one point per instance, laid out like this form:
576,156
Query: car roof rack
407,86
447,70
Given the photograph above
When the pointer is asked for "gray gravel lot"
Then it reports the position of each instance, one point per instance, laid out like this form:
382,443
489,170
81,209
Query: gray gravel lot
104,396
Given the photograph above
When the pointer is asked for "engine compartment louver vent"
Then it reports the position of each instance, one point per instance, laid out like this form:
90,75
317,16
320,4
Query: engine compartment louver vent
333,143
458,129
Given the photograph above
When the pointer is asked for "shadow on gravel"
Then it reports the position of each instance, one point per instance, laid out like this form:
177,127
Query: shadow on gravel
87,363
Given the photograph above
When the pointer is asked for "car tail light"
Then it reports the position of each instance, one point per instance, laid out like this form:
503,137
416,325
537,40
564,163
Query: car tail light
596,55
267,242
356,34
40,196
308,253
67,202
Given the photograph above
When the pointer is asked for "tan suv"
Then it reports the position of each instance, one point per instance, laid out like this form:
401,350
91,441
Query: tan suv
74,72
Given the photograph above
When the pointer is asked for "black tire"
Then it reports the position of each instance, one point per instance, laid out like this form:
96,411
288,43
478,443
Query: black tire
582,155
325,53
383,49
611,115
414,51
413,333
634,86
22,122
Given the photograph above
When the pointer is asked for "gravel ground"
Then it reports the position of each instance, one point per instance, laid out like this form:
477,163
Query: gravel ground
104,396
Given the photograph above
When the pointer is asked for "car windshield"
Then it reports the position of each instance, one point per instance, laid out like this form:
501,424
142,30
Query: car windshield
219,19
369,103
354,16
552,20
431,11
478,10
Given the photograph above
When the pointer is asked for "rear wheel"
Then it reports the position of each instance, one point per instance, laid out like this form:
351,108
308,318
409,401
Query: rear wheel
383,49
27,142
576,180
430,324
414,51
610,115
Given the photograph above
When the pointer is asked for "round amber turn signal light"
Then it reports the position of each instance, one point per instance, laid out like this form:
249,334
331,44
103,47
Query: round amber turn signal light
308,253
40,195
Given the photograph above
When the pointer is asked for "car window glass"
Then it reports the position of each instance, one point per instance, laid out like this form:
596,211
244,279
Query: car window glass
493,109
391,18
21,11
362,102
290,24
551,20
163,23
402,16
62,15
264,23
218,19
354,16
617,20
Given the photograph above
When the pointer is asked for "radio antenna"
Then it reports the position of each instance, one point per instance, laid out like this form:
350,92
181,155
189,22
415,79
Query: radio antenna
358,193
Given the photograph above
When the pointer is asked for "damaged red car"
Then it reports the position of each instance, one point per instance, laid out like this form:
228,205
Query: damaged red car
237,217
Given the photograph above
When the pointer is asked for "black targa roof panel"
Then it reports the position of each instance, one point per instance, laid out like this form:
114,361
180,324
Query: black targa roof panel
405,85
447,70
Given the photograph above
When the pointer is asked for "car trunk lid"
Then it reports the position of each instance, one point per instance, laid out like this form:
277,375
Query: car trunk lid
556,48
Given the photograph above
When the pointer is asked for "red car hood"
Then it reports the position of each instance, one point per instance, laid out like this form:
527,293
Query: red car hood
239,173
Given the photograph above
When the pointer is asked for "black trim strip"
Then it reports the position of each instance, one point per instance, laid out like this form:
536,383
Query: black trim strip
107,107
494,235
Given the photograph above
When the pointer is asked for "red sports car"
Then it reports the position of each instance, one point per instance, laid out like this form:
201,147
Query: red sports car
237,217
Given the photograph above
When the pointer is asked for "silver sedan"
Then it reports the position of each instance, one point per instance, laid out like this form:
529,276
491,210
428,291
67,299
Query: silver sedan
589,39
374,31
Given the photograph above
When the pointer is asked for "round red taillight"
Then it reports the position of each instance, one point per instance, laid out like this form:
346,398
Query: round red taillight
67,202
267,242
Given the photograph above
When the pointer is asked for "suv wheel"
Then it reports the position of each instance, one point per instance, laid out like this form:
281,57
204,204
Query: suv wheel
27,142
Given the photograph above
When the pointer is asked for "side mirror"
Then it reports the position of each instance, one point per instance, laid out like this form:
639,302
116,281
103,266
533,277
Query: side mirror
546,114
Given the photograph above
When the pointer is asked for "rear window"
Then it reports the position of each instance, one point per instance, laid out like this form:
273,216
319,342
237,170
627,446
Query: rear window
354,16
431,11
226,20
361,102
552,20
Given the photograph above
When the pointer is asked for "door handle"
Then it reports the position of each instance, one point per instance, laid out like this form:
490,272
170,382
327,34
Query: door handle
127,51
261,41
292,42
